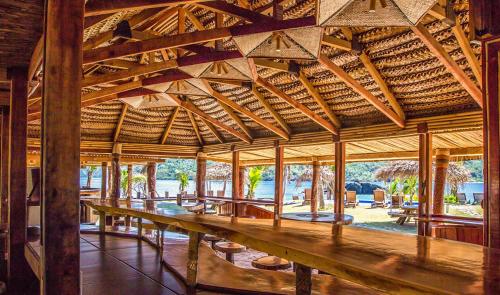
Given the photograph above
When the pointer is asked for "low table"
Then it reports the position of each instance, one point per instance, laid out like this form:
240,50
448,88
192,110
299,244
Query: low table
271,263
229,248
212,239
334,218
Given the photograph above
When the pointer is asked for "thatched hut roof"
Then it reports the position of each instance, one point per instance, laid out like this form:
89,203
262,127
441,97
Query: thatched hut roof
219,171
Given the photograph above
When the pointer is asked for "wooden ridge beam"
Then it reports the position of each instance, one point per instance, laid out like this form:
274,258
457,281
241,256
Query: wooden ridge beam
236,11
195,127
98,7
269,126
370,67
267,106
166,42
194,109
321,102
357,87
297,105
169,126
120,122
437,49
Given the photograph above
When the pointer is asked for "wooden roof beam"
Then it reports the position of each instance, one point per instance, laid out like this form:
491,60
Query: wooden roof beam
267,106
132,48
236,119
193,19
98,7
192,108
269,126
120,122
437,49
297,105
321,102
169,126
236,11
357,87
195,127
214,131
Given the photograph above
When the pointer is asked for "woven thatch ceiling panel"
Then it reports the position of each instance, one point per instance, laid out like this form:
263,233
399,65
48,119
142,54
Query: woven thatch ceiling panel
182,131
144,125
99,121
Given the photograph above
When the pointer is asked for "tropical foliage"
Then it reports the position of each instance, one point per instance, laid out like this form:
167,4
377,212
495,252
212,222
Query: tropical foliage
254,178
138,182
183,179
90,173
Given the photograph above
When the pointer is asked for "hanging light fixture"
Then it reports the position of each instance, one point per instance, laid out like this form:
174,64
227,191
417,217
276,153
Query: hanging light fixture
372,13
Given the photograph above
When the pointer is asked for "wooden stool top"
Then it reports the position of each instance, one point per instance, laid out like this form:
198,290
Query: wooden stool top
210,238
229,247
271,263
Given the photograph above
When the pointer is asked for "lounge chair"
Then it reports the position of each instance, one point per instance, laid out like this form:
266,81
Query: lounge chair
307,196
378,198
462,200
210,193
396,201
478,197
350,199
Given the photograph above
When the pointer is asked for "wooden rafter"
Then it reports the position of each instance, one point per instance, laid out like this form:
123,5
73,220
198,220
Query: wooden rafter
120,122
236,11
357,87
98,7
377,77
336,43
321,102
229,111
126,49
169,126
269,126
267,106
195,128
437,49
194,109
214,131
297,105
193,19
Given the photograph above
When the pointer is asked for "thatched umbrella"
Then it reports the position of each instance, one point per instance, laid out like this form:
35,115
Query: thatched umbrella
326,179
220,172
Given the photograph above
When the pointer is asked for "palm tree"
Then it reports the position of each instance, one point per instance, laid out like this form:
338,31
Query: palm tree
138,182
254,178
410,187
183,178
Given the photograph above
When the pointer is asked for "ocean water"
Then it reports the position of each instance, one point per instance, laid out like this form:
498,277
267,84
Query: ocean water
265,190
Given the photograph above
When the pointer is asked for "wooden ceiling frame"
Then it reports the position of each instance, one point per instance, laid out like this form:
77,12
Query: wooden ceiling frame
236,11
98,7
213,130
119,124
269,108
169,125
229,111
195,128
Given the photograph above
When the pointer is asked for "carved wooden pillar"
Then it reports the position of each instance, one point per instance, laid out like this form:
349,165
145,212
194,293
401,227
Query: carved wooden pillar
442,161
110,179
151,175
104,173
116,172
5,165
424,177
316,170
130,176
242,182
339,176
17,265
236,180
201,174
279,175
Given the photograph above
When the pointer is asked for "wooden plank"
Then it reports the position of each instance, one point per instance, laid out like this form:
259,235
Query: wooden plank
192,108
61,146
370,67
98,7
279,182
321,102
437,49
235,181
195,128
17,267
464,43
297,105
120,122
170,123
357,87
267,106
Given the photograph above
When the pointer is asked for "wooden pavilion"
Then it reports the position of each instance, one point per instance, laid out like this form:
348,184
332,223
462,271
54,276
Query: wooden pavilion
249,82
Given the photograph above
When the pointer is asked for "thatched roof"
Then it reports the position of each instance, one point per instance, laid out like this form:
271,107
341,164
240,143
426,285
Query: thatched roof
219,171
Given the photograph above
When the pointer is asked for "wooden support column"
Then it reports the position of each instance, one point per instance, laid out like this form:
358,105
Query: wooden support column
339,176
17,265
5,165
130,176
242,182
116,172
316,173
192,264
279,182
104,173
424,177
61,101
201,173
151,175
442,161
303,282
235,181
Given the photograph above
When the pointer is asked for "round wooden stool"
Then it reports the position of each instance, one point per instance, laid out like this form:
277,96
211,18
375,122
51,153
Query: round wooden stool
229,248
212,239
271,263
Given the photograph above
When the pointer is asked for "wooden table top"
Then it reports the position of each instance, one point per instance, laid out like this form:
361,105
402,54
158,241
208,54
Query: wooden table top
319,217
230,247
393,262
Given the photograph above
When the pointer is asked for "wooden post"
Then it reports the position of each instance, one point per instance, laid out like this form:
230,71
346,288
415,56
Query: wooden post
242,182
102,221
279,185
303,282
192,263
442,161
17,265
236,181
316,170
104,172
151,175
62,67
5,165
424,177
339,176
116,172
130,175
201,173
110,179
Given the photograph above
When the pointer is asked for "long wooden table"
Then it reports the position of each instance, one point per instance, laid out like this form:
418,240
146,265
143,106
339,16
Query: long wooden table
392,262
